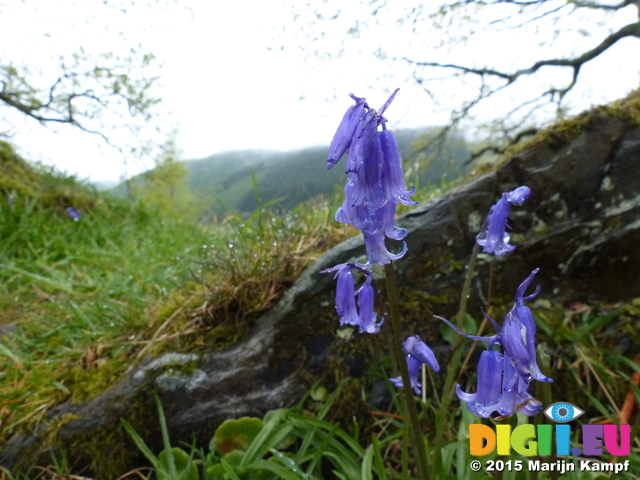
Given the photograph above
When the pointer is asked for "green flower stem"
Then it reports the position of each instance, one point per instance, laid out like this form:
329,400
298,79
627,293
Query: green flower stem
454,363
409,406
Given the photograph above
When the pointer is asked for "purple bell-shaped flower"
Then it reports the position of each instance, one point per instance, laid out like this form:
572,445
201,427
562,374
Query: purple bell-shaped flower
417,353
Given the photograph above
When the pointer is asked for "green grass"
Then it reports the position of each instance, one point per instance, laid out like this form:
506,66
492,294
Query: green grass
79,294
85,300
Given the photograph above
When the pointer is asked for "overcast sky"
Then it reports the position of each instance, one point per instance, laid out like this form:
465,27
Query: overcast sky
228,84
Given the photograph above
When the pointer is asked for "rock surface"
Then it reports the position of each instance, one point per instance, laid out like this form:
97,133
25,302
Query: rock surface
581,226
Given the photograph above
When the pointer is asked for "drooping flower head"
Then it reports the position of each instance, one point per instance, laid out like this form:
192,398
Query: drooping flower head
493,237
520,366
417,353
489,392
375,184
363,315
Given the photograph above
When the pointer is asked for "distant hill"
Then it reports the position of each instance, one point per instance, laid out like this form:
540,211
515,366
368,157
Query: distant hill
221,183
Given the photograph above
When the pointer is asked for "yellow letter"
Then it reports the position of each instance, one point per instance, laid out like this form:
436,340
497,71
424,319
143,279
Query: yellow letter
504,439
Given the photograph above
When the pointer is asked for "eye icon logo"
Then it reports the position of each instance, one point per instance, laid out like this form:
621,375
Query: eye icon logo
563,412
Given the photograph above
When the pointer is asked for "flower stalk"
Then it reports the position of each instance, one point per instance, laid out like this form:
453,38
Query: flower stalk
408,405
454,362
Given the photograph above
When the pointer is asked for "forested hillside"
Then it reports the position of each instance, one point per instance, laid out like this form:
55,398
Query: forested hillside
221,184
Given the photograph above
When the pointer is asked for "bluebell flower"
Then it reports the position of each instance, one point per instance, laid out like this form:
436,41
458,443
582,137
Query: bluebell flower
363,315
487,398
367,317
520,366
375,185
519,334
493,237
73,213
501,389
346,297
515,397
377,251
393,178
344,135
417,353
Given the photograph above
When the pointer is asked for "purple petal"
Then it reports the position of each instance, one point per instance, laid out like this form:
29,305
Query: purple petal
367,317
393,178
490,368
345,298
524,285
363,136
370,174
347,128
519,195
513,341
377,251
415,347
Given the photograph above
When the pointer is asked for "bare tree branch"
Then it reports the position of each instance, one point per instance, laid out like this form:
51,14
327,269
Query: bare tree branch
631,30
500,150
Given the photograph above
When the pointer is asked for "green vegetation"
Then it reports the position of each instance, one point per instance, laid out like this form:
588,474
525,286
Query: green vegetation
220,185
82,301
79,294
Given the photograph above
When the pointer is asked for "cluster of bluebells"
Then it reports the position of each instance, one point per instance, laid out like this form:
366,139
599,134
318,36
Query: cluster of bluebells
504,377
375,185
363,316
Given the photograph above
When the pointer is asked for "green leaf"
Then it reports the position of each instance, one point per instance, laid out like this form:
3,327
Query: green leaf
215,472
332,398
229,470
377,456
137,439
254,182
273,467
289,463
590,326
317,456
237,434
179,463
367,461
270,436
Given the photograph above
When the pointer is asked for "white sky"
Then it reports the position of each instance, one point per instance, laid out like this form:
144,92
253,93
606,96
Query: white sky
229,86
